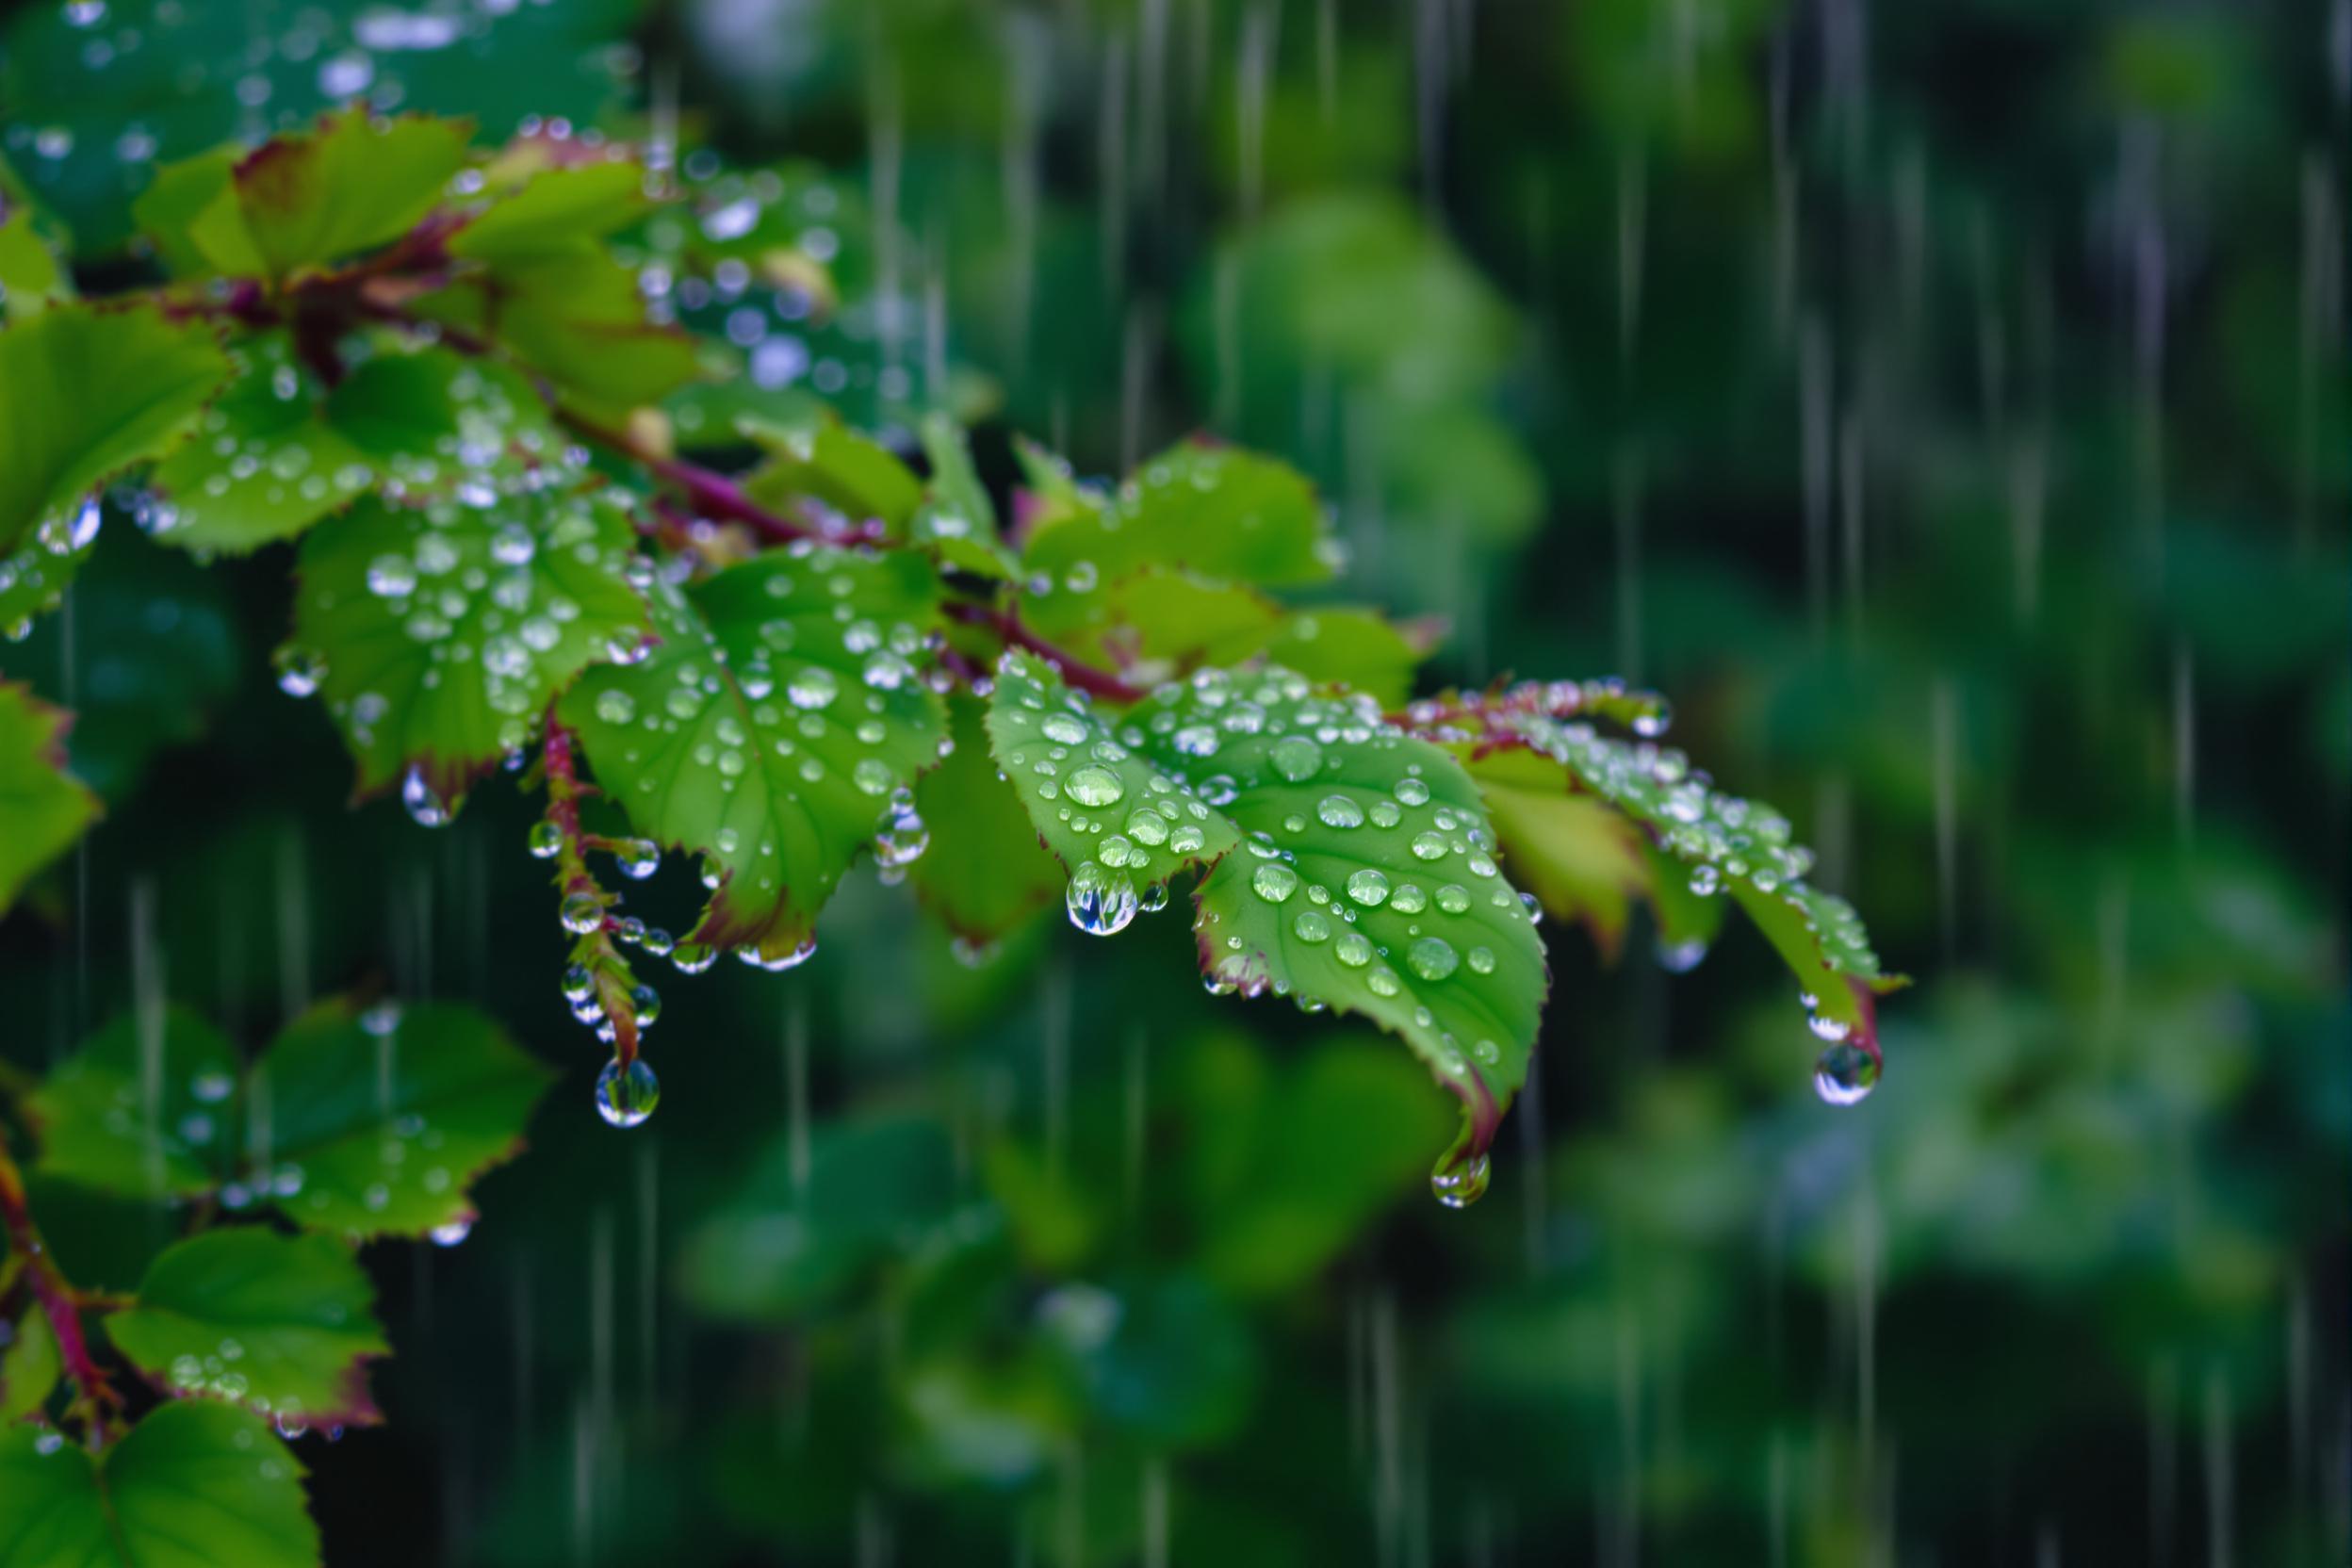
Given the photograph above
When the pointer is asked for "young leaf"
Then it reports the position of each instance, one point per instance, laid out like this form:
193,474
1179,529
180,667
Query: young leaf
554,209
1731,845
29,1367
983,874
575,317
1169,621
283,1325
829,463
190,213
307,199
85,392
194,1485
773,729
44,808
142,1109
1580,858
376,1123
1368,883
446,630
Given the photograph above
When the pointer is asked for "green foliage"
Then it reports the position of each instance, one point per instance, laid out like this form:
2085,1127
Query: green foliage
47,809
30,1366
139,1111
279,1324
193,1485
983,873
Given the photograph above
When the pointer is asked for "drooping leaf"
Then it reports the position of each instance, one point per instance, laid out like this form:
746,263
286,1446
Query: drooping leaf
1364,879
445,629
378,1122
1581,857
282,1325
771,728
193,1485
1729,845
143,1109
44,808
86,391
983,873
29,1367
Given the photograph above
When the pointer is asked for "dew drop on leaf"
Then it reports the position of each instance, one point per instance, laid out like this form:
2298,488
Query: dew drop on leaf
1460,1183
1101,901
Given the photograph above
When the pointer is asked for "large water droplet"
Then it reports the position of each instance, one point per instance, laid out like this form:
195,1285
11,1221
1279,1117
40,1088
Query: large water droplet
1273,881
626,1096
1102,901
1064,728
1432,957
1680,957
449,1232
1296,757
1459,1184
427,809
299,671
1094,786
581,912
1339,811
546,841
1845,1074
1368,888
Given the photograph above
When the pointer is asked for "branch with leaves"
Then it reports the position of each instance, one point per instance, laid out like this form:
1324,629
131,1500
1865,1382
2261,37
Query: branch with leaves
436,376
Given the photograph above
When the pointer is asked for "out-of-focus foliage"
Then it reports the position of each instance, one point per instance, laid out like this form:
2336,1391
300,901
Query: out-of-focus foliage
1947,403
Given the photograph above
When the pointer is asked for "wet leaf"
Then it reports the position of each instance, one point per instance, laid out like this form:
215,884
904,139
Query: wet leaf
1581,859
771,728
31,279
283,1325
44,808
445,629
826,462
86,391
573,317
554,209
29,1367
983,874
142,1109
378,1122
193,1485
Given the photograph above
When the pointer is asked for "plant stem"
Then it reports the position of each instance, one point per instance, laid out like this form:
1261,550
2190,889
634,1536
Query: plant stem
1006,623
60,1302
711,493
597,949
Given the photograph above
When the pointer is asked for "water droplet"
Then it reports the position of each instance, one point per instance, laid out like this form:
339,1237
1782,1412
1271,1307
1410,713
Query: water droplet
646,1004
1339,811
1094,786
1296,757
1353,948
450,1233
425,808
546,841
1429,846
1273,881
1680,957
873,775
692,958
637,857
1480,959
626,1096
1409,899
1432,957
1459,1184
1706,881
1064,728
1845,1074
614,706
581,912
1412,792
812,687
1453,898
299,671
1152,898
1369,887
1311,926
1101,901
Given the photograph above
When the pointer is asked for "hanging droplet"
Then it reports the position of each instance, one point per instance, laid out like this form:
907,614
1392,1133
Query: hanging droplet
646,1004
1101,901
581,912
637,857
578,983
1680,957
299,671
425,808
1459,1183
692,958
547,840
1152,899
626,1096
449,1232
1845,1074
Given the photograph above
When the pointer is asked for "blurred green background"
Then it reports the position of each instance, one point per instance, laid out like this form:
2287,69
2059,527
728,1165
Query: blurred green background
1946,403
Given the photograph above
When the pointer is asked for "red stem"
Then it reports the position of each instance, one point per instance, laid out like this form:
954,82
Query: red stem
58,1300
713,494
1085,677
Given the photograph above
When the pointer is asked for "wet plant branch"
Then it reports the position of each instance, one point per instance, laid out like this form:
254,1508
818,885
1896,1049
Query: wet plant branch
596,949
1006,623
61,1303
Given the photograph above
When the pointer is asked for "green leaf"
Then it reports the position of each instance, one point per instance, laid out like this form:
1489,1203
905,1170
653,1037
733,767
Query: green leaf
356,183
983,873
1731,845
283,1325
957,520
34,578
1164,622
142,1108
554,209
1120,820
194,1485
1224,515
86,392
1582,859
446,630
43,809
263,464
30,279
826,462
771,728
575,317
189,212
1367,881
431,421
376,1123
29,1367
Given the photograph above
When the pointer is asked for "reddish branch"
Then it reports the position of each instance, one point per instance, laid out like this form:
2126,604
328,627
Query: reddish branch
1076,671
712,494
61,1303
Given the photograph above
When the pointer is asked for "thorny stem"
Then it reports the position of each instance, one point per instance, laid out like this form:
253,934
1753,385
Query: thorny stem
61,1303
596,949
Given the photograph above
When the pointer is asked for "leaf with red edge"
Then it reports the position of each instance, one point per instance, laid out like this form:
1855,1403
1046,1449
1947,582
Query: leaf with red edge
776,727
282,1325
445,629
44,808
